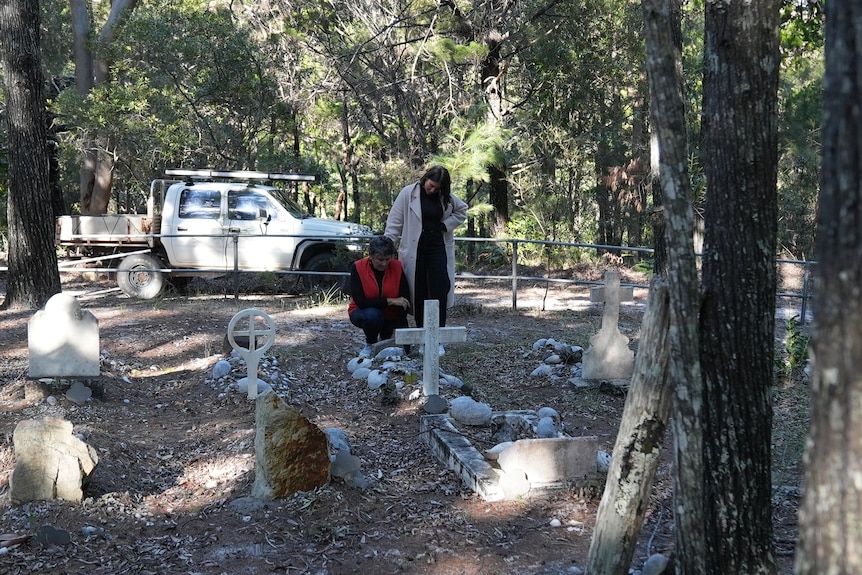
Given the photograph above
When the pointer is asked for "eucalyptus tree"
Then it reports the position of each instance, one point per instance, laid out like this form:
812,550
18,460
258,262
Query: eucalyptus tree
830,517
91,70
738,290
189,86
33,276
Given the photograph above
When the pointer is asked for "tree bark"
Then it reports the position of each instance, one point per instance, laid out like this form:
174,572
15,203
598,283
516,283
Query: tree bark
33,274
638,446
737,318
667,103
830,517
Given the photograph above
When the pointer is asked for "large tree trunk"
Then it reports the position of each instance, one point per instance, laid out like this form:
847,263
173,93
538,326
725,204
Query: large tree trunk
830,518
638,446
33,274
492,86
737,320
667,109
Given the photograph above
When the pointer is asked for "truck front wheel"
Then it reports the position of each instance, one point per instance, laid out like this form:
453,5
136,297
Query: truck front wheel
136,277
323,262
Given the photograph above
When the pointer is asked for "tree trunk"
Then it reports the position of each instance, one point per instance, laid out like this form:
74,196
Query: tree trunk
667,106
33,274
830,517
737,319
97,164
638,446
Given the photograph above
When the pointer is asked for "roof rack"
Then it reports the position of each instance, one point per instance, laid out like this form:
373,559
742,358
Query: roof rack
239,175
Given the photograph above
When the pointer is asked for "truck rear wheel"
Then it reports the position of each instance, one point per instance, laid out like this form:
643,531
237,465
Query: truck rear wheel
136,278
324,262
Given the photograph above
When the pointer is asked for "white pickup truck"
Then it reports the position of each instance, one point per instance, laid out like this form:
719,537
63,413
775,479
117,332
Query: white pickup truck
212,222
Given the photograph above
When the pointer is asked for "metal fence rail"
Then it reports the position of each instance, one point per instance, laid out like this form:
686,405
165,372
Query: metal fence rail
514,277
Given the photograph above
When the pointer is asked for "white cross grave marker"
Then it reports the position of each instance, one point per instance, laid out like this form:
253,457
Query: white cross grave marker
251,354
609,356
432,335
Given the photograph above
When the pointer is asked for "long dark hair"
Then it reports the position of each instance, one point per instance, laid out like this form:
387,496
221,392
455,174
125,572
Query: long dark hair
440,175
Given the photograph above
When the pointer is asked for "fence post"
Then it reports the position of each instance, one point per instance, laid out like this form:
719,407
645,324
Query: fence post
805,280
235,264
514,274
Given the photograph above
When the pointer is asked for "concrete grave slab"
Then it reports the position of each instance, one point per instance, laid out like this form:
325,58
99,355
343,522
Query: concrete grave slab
549,464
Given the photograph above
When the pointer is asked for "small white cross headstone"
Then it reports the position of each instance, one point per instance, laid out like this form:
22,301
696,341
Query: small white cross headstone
609,356
432,335
251,354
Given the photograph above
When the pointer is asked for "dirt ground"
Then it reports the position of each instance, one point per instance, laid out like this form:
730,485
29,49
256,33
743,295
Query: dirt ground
170,493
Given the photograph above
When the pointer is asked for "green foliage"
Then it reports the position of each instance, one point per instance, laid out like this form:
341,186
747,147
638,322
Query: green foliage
796,343
367,100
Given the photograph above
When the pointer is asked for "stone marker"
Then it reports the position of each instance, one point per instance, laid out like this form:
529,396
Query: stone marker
291,453
550,461
63,340
250,336
432,335
609,356
50,462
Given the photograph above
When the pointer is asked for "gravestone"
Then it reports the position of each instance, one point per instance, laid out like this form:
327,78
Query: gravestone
50,462
432,335
250,336
609,356
63,340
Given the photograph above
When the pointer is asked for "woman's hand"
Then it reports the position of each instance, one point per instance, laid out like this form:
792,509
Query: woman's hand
398,301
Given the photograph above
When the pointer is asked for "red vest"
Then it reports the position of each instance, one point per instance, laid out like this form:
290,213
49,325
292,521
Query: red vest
391,285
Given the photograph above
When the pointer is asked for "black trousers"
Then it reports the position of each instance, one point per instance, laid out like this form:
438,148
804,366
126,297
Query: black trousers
432,276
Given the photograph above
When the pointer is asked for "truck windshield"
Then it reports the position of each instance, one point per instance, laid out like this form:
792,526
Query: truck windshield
282,197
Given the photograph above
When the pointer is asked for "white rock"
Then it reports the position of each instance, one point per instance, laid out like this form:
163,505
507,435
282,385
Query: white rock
546,428
377,378
361,373
549,412
451,381
555,522
394,352
358,362
221,368
469,411
603,461
539,344
492,453
337,439
542,371
553,359
262,386
655,564
514,483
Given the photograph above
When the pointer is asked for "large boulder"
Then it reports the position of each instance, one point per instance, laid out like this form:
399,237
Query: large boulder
292,454
50,462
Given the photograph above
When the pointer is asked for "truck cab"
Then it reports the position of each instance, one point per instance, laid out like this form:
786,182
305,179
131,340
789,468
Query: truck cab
224,221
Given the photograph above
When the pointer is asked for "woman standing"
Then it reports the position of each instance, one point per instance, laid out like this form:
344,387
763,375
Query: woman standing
424,217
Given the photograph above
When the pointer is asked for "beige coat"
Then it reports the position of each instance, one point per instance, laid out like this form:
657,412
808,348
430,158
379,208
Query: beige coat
405,224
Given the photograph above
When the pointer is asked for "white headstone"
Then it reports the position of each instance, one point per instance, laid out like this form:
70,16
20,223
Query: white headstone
63,340
432,335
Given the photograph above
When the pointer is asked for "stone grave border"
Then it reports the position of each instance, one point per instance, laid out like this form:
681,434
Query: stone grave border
452,448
